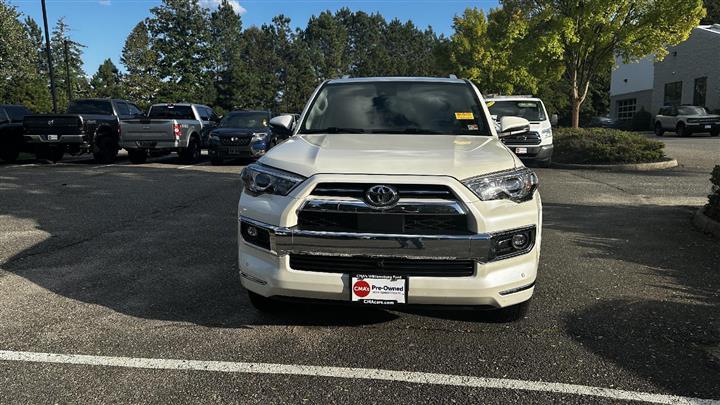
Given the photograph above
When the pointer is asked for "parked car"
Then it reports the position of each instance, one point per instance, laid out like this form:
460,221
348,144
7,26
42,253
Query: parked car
242,134
182,128
686,120
603,122
11,131
536,145
89,126
392,191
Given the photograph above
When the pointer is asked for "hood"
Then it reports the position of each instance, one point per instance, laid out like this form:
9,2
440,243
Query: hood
237,131
444,155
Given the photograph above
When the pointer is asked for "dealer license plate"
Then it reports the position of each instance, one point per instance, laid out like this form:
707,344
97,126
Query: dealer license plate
708,126
378,290
52,137
521,151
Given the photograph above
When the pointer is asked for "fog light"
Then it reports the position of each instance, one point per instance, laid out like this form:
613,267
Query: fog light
520,241
252,231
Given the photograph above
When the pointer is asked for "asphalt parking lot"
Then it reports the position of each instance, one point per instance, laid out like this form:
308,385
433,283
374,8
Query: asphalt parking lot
123,263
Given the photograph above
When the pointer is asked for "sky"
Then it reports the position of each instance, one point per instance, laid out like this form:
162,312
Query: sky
103,25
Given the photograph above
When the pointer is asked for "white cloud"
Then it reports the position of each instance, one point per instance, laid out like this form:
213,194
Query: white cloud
104,2
213,4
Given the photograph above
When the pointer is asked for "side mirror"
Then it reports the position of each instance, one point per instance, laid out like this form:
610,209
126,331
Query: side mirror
282,122
554,120
513,126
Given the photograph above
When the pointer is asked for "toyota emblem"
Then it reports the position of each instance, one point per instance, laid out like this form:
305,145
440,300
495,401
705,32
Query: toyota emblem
382,196
234,139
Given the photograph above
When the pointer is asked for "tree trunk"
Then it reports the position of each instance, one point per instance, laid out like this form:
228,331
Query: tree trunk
575,112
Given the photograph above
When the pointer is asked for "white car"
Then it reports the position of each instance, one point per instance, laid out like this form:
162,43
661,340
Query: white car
392,191
537,145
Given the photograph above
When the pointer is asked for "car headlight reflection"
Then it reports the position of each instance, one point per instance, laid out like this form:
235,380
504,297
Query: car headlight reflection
260,179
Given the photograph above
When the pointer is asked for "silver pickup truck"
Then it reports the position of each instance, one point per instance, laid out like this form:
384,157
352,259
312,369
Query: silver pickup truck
181,128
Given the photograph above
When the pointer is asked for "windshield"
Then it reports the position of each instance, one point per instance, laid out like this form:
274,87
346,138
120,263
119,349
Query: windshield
100,107
530,110
396,107
691,110
246,119
171,112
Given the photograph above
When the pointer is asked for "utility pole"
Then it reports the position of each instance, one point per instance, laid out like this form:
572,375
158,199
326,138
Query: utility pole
67,71
51,71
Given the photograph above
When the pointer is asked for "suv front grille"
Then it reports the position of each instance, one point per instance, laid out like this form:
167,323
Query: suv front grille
382,266
532,138
401,224
357,190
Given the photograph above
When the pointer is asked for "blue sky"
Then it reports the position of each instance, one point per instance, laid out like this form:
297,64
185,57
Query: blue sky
103,25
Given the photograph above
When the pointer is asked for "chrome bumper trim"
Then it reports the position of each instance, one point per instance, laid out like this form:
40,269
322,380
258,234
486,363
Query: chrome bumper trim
430,206
283,241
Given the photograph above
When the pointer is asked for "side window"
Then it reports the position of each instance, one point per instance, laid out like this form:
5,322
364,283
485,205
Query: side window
3,116
122,108
214,117
134,110
204,113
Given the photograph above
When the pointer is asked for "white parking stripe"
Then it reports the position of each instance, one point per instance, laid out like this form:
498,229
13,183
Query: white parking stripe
350,373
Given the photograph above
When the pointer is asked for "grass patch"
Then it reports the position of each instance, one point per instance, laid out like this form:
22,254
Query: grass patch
604,146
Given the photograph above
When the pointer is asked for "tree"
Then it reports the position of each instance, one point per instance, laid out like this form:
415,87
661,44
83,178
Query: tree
179,35
327,39
228,66
141,83
713,12
302,77
22,82
260,81
584,37
71,67
107,82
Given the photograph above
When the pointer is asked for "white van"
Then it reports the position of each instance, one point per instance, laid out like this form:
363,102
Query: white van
536,146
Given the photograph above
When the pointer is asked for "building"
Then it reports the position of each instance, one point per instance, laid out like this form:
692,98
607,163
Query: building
689,74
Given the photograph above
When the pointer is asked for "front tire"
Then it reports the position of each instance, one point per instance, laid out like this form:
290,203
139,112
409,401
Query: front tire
105,150
137,156
682,130
264,304
659,129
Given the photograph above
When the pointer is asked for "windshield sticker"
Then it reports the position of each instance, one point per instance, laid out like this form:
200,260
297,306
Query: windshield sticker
473,127
464,116
527,105
490,103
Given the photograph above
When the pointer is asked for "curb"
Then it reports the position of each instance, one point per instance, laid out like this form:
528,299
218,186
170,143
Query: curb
636,167
706,224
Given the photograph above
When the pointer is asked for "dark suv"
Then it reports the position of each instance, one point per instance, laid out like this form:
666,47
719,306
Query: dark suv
242,134
11,131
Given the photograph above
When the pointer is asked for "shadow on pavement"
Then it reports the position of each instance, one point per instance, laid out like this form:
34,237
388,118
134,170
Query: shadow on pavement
668,331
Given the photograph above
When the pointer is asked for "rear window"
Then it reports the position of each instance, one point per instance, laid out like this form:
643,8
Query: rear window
172,112
530,110
99,107
412,107
16,113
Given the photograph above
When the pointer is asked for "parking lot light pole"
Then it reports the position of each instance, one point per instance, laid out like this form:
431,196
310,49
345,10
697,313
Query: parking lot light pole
49,58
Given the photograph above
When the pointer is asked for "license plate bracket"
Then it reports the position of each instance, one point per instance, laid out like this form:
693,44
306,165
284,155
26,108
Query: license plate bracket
378,290
52,138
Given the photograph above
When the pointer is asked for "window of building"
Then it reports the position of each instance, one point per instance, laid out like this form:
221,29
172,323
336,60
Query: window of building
673,93
626,108
700,92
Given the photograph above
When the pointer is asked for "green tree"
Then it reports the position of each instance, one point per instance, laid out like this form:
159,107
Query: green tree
70,67
584,37
410,51
302,76
327,39
260,81
228,66
141,83
180,37
107,81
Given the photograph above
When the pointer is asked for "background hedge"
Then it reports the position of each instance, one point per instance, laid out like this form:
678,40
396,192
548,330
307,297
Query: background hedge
713,208
604,146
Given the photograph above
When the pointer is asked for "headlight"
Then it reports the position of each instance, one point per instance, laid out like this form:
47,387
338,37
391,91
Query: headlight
546,133
259,136
517,185
259,179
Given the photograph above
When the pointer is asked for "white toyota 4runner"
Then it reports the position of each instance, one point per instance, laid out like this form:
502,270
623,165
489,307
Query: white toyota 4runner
392,191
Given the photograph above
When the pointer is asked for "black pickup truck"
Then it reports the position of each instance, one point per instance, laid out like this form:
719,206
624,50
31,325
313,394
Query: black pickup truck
11,131
89,126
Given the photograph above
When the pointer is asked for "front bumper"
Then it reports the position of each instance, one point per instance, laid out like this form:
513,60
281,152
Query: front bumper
540,152
702,127
494,282
250,150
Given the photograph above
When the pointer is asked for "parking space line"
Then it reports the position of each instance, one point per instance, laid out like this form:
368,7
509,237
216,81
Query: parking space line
196,164
413,377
